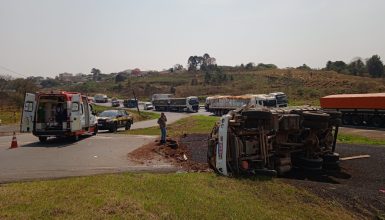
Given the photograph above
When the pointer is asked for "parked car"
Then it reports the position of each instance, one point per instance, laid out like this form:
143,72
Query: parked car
113,119
148,106
115,103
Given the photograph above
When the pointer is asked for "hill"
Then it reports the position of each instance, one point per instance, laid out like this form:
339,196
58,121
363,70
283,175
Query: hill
302,86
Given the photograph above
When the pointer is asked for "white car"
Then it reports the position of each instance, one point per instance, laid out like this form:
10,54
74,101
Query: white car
148,106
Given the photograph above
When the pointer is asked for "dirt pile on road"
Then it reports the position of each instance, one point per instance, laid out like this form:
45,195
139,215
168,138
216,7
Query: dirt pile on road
174,151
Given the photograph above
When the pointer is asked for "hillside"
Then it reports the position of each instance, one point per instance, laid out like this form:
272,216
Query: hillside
302,86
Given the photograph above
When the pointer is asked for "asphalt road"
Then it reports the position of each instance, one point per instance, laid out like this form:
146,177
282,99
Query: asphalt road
103,153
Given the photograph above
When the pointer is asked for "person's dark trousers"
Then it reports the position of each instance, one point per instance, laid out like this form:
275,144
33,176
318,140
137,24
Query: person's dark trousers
163,135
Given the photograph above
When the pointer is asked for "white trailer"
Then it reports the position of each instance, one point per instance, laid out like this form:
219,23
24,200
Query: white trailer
220,105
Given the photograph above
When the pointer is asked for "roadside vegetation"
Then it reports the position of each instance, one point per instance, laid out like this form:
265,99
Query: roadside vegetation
357,139
164,196
197,124
9,116
142,117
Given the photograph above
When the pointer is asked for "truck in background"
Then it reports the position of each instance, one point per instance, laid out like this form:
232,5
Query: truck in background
358,109
100,98
161,96
188,104
220,105
281,98
130,103
59,114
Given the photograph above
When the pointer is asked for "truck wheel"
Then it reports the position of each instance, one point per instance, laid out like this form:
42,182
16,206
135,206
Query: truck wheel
43,139
346,119
376,121
128,126
357,120
316,116
315,124
261,115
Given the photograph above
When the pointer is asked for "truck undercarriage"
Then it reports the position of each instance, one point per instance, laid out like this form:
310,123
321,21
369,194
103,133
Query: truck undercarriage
274,141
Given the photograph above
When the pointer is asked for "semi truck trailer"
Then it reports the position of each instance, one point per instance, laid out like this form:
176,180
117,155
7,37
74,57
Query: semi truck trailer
358,109
188,104
220,105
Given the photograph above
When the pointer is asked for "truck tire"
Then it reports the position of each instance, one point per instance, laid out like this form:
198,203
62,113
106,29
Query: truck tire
357,120
376,121
315,124
316,116
43,139
346,119
128,126
261,115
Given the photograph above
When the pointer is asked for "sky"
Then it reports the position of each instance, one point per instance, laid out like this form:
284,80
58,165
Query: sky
48,37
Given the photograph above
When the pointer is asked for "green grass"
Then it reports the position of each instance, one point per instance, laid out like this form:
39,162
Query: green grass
193,124
163,196
8,116
143,115
356,139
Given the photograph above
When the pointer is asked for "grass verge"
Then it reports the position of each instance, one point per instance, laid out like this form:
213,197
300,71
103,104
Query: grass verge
192,124
356,139
163,196
9,116
142,117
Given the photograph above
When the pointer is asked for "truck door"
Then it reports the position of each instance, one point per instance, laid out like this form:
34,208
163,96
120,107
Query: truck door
221,160
75,113
28,115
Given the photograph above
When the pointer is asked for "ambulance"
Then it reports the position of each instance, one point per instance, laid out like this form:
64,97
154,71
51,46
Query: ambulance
58,114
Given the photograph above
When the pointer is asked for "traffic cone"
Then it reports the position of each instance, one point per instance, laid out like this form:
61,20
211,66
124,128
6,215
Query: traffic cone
14,141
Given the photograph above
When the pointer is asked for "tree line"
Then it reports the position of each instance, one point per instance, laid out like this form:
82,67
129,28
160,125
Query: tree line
373,66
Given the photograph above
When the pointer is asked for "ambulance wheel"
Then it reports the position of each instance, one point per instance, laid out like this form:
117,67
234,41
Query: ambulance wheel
43,139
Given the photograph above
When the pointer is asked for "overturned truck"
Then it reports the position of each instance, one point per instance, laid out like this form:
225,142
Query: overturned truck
274,141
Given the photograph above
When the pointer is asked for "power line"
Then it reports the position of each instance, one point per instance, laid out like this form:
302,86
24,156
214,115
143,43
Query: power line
5,68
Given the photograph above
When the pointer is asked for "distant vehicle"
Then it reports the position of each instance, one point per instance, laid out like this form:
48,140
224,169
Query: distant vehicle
281,99
220,105
130,103
161,96
61,114
100,98
358,109
148,106
113,119
115,103
188,104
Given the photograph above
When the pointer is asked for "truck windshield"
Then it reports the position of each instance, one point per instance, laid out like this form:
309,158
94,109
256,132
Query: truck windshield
193,102
270,103
281,98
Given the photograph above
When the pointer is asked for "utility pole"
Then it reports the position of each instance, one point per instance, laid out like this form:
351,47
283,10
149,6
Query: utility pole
137,102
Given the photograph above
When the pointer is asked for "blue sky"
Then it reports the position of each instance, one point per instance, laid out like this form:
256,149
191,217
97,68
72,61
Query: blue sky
47,37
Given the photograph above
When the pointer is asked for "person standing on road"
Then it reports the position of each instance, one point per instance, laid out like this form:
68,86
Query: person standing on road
162,124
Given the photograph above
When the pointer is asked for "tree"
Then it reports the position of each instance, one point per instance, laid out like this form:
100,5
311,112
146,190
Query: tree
249,66
375,66
120,77
357,67
178,67
96,74
337,66
303,67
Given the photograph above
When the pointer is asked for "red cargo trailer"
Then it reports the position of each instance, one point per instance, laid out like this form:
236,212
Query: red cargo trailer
358,109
